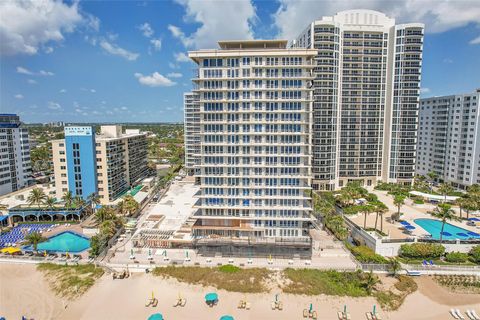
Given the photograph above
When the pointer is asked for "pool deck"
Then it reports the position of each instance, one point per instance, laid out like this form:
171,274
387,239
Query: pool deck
410,213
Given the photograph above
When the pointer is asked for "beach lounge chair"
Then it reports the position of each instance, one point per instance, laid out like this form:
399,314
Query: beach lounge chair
425,263
432,264
377,316
475,314
340,315
274,305
247,306
369,315
183,302
241,304
459,314
347,316
454,314
155,302
280,305
148,303
305,313
470,315
314,315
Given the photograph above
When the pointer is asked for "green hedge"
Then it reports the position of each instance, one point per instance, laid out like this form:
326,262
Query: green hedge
456,257
366,255
422,250
475,254
418,201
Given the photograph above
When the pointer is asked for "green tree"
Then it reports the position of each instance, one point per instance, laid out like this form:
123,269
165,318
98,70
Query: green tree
94,200
398,201
366,209
68,199
104,214
445,189
394,266
50,202
36,196
444,212
130,204
380,209
79,202
370,281
34,239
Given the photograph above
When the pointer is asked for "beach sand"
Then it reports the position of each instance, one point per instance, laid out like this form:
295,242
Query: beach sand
23,291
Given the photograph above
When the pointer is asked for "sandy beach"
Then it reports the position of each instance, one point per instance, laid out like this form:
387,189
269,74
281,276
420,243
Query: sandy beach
23,291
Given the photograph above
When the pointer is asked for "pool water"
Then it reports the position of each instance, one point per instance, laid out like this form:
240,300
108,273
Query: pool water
64,242
434,227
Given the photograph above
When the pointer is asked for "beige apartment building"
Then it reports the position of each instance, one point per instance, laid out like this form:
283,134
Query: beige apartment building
121,162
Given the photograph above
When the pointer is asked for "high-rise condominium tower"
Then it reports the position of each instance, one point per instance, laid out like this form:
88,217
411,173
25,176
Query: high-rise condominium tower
449,138
15,169
192,131
366,94
255,153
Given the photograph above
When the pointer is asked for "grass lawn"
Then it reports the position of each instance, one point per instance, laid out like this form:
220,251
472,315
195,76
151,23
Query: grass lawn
315,282
70,281
230,278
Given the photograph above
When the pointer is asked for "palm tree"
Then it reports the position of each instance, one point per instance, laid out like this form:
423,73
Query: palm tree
380,209
50,202
445,189
108,228
130,204
444,212
68,199
78,202
104,214
34,239
370,281
394,266
366,209
36,196
94,200
398,201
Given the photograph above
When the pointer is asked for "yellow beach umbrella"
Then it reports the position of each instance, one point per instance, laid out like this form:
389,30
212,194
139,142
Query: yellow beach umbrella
10,250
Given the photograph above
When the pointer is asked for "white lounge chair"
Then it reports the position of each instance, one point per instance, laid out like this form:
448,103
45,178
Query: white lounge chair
474,314
459,314
470,315
454,314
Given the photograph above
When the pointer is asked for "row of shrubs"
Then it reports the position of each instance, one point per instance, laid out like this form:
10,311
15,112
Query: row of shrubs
433,251
366,255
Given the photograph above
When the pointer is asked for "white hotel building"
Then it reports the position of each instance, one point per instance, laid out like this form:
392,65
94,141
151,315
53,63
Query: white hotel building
366,95
449,138
191,131
255,150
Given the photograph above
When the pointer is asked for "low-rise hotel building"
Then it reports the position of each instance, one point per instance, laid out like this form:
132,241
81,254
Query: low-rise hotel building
119,161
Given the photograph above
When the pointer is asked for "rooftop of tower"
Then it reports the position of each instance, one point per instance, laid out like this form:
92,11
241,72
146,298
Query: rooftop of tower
252,44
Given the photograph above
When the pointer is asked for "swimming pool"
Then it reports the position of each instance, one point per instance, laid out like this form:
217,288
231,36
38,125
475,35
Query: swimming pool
66,241
434,227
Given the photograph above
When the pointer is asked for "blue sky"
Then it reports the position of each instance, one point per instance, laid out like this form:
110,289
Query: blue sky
120,61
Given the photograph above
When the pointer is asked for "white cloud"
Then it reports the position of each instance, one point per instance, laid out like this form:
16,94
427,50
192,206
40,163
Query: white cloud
424,90
173,65
25,26
447,60
63,90
146,29
23,70
154,80
31,81
181,57
93,90
156,43
175,75
475,41
48,50
218,20
54,106
45,73
117,51
18,96
293,16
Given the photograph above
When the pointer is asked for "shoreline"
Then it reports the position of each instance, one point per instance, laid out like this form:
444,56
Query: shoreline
24,291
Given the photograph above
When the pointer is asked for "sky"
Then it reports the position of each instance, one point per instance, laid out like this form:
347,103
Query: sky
126,61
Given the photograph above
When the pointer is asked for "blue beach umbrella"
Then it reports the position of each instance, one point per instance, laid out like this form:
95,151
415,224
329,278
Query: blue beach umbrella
405,223
226,317
212,296
156,316
445,233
